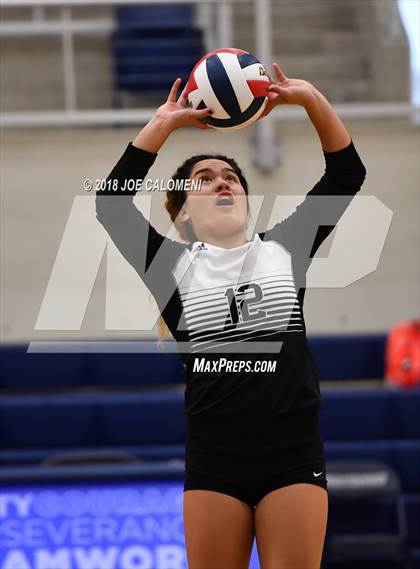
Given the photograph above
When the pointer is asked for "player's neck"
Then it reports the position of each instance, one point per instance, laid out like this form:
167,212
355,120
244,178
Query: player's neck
225,241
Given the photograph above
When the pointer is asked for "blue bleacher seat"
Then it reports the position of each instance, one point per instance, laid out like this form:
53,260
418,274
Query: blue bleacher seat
371,413
406,412
349,356
412,507
143,419
19,369
357,415
48,420
24,457
22,370
153,45
93,472
79,420
136,369
162,16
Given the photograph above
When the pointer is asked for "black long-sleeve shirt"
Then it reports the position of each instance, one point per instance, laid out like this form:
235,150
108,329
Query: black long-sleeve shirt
234,311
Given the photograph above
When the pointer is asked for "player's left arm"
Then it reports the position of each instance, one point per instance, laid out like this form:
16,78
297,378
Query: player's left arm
286,91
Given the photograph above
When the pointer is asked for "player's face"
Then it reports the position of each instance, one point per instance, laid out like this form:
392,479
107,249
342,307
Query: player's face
220,206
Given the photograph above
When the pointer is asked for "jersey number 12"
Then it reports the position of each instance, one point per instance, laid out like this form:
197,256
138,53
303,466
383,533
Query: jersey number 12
240,302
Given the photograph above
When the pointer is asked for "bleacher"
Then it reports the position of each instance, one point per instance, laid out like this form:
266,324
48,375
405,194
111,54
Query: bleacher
114,415
151,46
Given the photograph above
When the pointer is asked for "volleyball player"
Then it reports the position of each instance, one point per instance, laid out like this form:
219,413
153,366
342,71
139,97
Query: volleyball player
255,463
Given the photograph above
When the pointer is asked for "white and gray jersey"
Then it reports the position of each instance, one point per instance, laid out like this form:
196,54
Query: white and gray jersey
236,314
234,295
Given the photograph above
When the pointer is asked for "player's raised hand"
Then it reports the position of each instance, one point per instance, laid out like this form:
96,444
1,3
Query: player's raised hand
286,91
177,113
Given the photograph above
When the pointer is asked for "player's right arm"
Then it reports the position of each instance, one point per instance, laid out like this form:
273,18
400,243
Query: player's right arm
131,232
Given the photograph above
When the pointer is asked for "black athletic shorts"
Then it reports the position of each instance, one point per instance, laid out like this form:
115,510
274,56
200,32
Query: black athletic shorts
248,459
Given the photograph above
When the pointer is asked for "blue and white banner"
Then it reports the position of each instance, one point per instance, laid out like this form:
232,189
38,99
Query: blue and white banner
127,525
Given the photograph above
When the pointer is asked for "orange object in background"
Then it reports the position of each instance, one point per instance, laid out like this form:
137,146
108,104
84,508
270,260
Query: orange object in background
402,357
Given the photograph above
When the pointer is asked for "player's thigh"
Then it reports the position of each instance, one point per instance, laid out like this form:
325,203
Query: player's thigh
219,530
290,525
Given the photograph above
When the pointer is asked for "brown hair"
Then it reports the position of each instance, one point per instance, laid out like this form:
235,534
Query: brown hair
176,199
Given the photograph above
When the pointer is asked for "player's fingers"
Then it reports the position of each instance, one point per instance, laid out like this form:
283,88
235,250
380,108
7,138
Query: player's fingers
277,89
279,72
201,124
281,94
271,95
172,93
270,79
183,97
197,114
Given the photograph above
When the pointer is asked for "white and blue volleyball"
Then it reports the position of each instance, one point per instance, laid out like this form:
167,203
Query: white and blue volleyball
231,82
